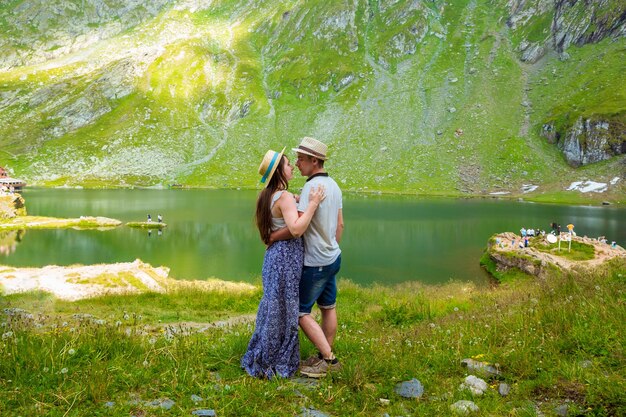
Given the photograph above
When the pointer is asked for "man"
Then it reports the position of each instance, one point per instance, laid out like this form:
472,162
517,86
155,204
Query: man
322,258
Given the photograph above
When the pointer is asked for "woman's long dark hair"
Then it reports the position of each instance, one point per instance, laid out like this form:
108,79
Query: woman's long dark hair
263,204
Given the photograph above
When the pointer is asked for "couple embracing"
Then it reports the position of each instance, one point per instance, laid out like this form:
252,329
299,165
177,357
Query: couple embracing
300,265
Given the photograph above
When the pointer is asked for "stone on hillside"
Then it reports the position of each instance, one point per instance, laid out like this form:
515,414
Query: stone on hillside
452,109
196,398
311,412
204,413
562,410
474,384
109,404
410,389
165,404
533,53
464,407
11,206
504,389
482,368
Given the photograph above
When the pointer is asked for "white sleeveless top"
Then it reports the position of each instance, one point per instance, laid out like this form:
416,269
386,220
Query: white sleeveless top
277,222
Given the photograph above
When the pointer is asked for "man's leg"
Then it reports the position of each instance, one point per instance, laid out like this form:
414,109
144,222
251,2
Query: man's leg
316,335
329,324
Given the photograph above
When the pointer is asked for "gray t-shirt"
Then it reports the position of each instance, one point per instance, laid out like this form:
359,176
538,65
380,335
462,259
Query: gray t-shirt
320,244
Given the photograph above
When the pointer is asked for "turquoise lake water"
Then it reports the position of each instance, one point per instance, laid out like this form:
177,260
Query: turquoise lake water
211,233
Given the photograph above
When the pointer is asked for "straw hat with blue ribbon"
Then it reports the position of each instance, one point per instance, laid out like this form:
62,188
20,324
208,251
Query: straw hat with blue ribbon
269,164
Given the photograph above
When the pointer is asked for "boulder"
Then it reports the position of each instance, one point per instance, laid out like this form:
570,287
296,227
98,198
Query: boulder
12,205
464,407
410,389
474,384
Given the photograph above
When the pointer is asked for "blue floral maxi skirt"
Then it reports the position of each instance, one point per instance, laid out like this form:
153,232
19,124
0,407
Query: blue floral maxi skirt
274,348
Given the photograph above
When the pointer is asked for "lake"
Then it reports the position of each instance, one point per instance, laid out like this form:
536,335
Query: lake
211,233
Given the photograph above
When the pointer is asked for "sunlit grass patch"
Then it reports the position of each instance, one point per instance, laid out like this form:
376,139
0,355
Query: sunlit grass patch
580,251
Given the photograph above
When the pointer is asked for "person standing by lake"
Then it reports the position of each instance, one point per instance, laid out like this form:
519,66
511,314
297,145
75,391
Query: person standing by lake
274,348
322,258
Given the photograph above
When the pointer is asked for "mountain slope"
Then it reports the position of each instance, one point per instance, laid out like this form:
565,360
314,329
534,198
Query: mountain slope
412,96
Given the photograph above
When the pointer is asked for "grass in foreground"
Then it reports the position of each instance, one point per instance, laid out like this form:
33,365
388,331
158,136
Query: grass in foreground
557,341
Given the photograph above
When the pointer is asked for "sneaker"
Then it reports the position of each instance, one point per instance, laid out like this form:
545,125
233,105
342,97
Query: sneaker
320,368
311,360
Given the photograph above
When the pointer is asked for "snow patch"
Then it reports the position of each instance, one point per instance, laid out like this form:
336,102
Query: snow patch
588,186
528,188
614,181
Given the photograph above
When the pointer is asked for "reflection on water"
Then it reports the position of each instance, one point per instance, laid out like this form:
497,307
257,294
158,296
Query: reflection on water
9,240
211,233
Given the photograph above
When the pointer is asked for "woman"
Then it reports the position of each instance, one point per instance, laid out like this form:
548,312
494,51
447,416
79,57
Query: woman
274,348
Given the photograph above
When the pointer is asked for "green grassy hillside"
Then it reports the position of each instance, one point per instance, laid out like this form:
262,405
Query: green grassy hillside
417,97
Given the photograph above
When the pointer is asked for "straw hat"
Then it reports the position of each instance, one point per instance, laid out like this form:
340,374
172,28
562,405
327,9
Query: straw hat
312,147
269,164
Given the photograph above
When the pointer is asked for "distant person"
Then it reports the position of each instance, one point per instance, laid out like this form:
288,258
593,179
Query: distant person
274,349
522,232
159,218
149,219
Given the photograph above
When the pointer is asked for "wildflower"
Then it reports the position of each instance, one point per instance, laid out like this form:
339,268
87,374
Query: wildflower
597,288
432,325
64,324
145,363
456,309
46,369
126,316
71,352
152,340
64,370
6,335
118,323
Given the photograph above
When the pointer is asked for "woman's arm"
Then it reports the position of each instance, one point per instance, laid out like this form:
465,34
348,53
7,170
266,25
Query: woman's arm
298,223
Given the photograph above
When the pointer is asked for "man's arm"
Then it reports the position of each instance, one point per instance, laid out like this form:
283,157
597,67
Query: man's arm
339,231
280,234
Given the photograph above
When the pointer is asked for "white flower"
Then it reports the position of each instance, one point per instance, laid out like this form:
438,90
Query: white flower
456,309
64,370
152,340
118,323
6,335
432,325
71,352
126,316
145,363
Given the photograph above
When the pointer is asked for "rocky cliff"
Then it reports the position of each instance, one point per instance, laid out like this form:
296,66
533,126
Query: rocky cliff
11,205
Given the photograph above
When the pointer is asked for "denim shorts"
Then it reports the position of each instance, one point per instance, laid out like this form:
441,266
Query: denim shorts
319,284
